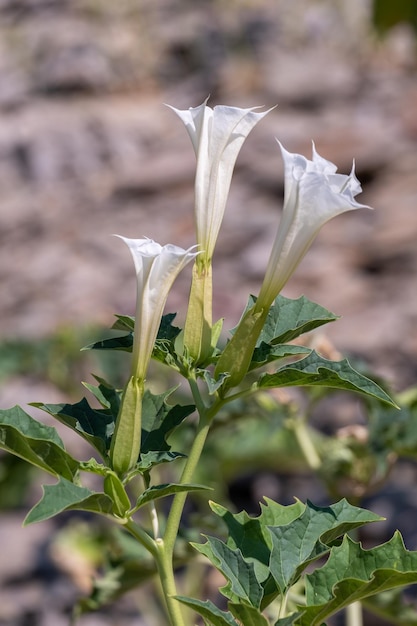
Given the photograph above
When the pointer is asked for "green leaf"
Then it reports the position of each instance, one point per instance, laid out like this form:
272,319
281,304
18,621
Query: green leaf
153,457
288,319
36,443
94,425
290,620
106,394
124,322
208,611
164,345
314,370
212,384
161,491
352,573
308,537
65,496
159,420
247,615
252,537
240,574
267,353
122,342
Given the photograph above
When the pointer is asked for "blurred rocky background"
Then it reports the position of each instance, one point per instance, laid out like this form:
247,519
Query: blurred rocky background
87,149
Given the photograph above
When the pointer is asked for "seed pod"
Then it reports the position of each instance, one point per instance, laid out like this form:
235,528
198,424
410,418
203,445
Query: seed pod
125,444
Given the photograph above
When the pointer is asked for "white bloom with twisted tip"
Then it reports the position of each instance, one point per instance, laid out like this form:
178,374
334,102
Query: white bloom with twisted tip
314,193
156,269
217,136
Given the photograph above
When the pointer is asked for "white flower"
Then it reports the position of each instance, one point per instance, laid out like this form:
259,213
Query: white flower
314,193
217,136
156,269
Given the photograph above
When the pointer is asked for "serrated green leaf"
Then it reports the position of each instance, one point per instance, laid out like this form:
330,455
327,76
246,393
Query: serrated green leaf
252,537
161,491
152,458
124,322
290,620
122,342
308,537
240,574
164,344
36,443
247,615
66,496
159,420
352,573
106,394
267,353
314,370
94,425
212,384
209,611
288,319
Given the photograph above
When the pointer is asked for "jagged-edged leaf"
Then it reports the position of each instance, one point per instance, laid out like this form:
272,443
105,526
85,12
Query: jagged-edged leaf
252,537
124,322
209,611
168,489
159,419
149,459
288,319
94,425
308,537
212,384
291,620
106,394
315,370
248,615
66,496
165,337
36,443
121,342
267,353
352,573
240,574
251,534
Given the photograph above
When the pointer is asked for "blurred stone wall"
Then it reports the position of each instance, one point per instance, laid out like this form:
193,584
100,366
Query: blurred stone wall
87,149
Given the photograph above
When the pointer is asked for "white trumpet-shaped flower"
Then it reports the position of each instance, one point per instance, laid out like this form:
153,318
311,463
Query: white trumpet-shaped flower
217,136
156,269
314,193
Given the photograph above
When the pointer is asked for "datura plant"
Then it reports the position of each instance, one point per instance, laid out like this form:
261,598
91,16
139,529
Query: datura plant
295,564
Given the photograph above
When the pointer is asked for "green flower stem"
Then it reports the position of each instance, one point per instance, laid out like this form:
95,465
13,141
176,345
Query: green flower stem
167,579
166,545
141,536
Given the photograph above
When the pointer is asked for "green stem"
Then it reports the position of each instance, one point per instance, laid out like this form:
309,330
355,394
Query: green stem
167,579
141,536
166,545
306,444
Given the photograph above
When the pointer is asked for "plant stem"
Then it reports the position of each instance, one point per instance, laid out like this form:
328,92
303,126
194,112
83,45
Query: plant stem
141,536
167,579
304,441
354,615
166,545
